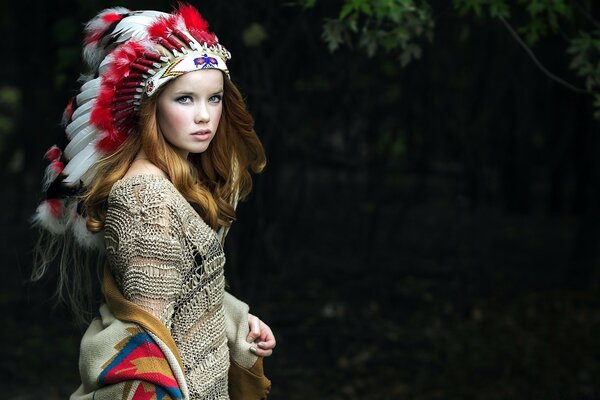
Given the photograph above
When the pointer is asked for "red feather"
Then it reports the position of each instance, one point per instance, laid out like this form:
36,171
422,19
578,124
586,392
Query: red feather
55,207
68,113
123,57
111,141
196,24
99,25
192,17
53,153
162,27
112,17
104,114
57,167
101,115
92,38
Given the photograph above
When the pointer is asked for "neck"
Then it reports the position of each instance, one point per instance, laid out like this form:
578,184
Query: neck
141,155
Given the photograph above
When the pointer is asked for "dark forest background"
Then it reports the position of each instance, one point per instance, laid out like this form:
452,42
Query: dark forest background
422,231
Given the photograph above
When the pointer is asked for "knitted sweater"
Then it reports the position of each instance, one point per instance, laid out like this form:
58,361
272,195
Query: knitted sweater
167,260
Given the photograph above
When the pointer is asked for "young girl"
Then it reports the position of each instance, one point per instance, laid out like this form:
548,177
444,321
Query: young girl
160,150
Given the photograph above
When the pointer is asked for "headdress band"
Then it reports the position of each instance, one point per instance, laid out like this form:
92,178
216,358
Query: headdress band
195,60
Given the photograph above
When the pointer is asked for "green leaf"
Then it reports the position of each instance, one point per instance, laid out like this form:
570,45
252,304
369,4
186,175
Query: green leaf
380,24
10,97
309,4
254,35
498,8
369,43
332,34
347,9
366,8
466,6
6,125
535,7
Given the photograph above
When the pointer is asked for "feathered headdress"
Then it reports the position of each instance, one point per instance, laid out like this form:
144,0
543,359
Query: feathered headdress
130,54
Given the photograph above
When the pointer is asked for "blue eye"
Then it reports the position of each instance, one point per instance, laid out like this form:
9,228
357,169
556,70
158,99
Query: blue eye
184,99
215,99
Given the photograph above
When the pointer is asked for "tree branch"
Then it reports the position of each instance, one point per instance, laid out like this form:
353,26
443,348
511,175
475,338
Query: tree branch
537,62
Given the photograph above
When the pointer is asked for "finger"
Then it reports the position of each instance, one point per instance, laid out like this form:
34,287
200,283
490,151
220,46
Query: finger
267,344
260,352
266,334
254,325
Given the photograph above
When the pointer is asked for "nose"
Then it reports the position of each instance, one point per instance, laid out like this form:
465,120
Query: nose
202,114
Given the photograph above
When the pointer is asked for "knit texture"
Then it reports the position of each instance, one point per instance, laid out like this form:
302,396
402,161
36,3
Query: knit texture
167,260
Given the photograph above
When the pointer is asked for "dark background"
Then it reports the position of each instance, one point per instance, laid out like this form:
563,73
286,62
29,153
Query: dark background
427,232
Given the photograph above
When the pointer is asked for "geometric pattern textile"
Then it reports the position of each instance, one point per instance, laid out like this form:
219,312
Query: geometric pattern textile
139,358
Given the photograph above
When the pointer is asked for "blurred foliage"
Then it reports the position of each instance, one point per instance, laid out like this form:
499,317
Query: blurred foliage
585,49
10,104
10,97
375,25
542,17
254,35
66,33
399,25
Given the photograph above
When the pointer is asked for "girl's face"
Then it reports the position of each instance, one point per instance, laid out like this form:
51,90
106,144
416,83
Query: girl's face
189,110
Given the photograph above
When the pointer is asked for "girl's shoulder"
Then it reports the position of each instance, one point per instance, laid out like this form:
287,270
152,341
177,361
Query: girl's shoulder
142,177
143,190
143,167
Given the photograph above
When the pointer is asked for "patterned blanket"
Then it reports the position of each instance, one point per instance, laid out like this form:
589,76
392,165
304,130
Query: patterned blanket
127,354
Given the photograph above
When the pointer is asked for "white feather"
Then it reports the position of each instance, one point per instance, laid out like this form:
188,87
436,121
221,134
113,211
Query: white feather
140,19
105,64
43,217
132,32
97,23
77,125
135,25
92,56
90,84
49,176
80,141
81,163
95,52
83,78
84,108
82,235
89,91
86,96
180,24
89,94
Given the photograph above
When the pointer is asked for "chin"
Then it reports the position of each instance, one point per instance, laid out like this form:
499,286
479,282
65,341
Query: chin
198,150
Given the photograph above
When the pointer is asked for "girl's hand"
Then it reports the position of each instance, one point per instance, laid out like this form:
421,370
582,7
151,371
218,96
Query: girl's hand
261,335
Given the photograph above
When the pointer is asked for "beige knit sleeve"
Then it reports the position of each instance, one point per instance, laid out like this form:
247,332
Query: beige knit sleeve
237,329
144,247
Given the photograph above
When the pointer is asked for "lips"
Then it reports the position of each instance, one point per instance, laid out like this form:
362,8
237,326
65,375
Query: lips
202,135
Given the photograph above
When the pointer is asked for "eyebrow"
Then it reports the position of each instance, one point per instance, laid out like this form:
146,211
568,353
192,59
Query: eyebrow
188,93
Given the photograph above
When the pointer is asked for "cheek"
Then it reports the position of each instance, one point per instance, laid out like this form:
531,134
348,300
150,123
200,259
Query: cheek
171,119
217,117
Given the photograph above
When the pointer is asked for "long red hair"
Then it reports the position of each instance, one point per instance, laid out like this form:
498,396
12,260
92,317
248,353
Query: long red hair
212,181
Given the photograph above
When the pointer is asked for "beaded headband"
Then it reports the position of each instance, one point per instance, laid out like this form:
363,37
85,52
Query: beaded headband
130,54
